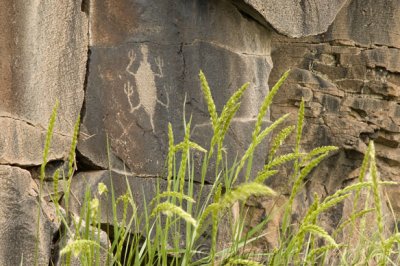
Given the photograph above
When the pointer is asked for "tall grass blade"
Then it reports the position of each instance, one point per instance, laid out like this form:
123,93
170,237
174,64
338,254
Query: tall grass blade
254,144
209,99
266,103
278,141
46,150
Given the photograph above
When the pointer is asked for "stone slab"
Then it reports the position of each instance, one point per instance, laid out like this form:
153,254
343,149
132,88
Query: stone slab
367,23
22,143
18,220
44,46
141,79
358,59
293,18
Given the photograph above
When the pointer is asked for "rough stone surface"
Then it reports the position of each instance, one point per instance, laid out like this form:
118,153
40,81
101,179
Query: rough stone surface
143,191
43,51
141,73
140,187
44,47
367,23
47,60
139,78
292,17
349,79
22,143
18,220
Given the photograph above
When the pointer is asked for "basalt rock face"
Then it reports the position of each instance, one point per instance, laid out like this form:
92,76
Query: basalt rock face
142,73
43,51
293,18
23,242
130,67
43,59
349,78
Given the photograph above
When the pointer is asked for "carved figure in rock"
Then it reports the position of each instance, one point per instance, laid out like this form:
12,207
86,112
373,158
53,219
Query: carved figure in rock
144,78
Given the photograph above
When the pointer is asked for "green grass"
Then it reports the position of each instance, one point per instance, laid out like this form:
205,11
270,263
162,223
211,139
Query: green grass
176,219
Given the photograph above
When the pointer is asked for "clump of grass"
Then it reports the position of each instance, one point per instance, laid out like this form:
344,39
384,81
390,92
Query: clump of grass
174,222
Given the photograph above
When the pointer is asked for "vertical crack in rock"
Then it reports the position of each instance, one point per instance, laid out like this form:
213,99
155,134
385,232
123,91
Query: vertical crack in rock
182,54
84,162
85,6
135,50
83,109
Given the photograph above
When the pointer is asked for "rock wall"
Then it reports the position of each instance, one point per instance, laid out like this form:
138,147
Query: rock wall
43,51
349,77
142,74
130,67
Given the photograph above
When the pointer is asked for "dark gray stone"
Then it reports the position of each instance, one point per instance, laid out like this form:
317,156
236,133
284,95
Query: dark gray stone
18,220
45,52
139,78
43,47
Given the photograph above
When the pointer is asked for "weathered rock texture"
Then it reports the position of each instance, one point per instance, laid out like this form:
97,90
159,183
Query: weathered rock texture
18,220
292,17
47,60
144,61
130,67
43,51
43,46
349,78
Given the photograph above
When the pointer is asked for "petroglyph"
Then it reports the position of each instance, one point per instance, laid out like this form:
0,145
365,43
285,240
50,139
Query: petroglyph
128,89
160,65
144,79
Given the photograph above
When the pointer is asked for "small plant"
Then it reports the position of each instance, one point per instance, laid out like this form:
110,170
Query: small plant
175,220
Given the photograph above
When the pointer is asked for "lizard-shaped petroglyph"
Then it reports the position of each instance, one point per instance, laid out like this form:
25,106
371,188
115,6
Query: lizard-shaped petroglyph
144,78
